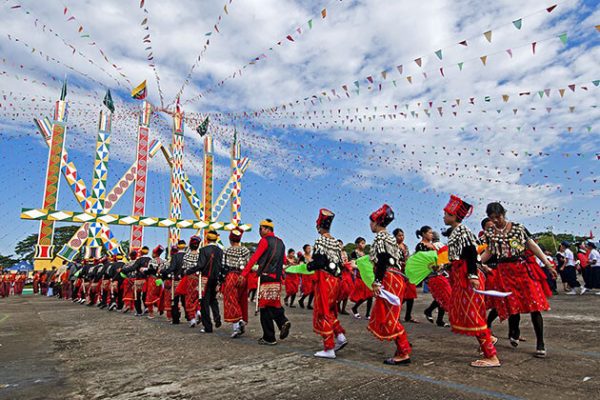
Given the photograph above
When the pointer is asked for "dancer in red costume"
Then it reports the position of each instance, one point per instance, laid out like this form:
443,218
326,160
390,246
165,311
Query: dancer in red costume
327,263
151,289
347,284
292,281
235,295
307,280
360,292
385,320
518,273
467,311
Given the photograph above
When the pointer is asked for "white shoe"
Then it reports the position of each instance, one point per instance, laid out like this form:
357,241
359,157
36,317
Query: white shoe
193,323
583,290
340,342
325,354
597,293
571,292
236,333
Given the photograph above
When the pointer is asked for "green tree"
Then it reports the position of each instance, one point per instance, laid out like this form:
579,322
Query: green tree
124,244
7,261
551,242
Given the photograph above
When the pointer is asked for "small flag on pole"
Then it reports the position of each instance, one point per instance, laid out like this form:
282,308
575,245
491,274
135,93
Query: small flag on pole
108,101
139,92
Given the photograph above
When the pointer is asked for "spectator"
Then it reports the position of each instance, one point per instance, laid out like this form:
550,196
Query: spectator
570,273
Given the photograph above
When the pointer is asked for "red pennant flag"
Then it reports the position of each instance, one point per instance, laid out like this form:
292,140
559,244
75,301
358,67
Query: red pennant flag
217,29
142,3
572,87
290,38
71,19
533,47
551,8
65,11
399,68
418,61
370,79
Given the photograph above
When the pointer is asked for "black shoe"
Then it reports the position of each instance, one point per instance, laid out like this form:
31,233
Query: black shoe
205,331
242,327
344,312
291,306
174,322
391,361
309,307
218,324
264,342
301,303
428,316
285,330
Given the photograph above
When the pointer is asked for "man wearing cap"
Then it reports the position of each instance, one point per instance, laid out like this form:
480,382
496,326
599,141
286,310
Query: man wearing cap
569,271
270,256
116,283
151,289
327,264
138,269
189,286
235,296
209,263
384,323
172,277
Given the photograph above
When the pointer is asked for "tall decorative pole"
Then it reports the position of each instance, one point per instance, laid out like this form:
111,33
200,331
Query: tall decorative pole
139,194
44,250
236,199
98,195
176,173
207,190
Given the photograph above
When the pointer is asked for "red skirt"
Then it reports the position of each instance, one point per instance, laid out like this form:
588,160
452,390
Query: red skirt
440,289
385,317
325,313
252,281
346,286
410,291
128,289
188,287
523,279
235,299
292,282
467,309
307,284
153,292
361,291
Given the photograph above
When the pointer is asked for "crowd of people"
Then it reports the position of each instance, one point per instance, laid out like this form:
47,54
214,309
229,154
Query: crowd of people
11,284
503,258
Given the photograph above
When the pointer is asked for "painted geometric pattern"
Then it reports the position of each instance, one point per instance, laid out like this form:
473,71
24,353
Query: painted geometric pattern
139,195
227,191
236,203
176,183
116,219
100,170
57,142
208,186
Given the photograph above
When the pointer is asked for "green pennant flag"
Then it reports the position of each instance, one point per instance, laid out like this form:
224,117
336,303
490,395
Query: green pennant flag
460,65
438,53
596,82
541,93
63,91
203,127
310,24
108,101
563,37
518,23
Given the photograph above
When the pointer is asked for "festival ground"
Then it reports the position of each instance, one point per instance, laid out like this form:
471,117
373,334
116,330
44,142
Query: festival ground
53,349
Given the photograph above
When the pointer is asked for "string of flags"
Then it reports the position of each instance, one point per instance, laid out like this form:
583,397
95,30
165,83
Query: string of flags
147,41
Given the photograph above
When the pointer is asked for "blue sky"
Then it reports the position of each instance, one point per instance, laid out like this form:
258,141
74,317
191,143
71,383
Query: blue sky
295,171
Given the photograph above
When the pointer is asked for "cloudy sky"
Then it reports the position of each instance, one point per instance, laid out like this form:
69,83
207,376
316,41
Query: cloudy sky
401,102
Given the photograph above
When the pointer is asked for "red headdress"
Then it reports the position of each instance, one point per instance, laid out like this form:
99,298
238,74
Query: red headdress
174,250
459,208
236,235
383,216
158,250
325,218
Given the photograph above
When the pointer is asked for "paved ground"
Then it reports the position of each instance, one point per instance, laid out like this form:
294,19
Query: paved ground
53,349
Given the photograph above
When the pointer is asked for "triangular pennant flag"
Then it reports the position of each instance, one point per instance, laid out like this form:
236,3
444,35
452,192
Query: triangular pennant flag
384,74
225,9
399,68
551,8
515,111
488,36
63,91
409,79
108,101
464,43
541,93
323,13
418,61
505,98
290,38
310,22
442,71
563,37
598,28
438,53
518,23
460,65
596,82
509,51
533,47
572,87
483,59
547,92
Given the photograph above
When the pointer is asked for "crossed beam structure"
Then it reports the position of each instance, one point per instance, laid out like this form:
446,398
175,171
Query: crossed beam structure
97,203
